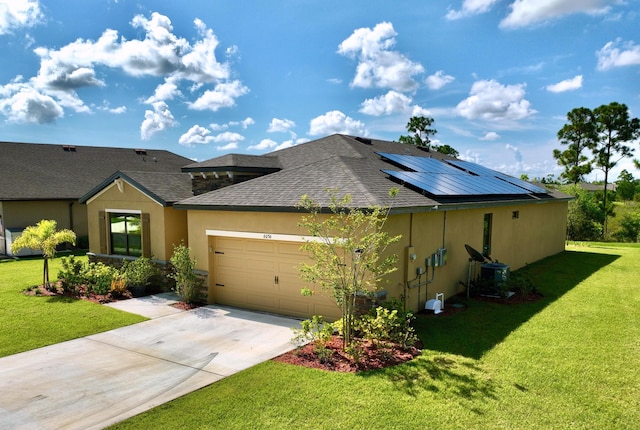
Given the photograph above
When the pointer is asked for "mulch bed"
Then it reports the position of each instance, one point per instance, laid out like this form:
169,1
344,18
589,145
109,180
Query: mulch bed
81,294
372,357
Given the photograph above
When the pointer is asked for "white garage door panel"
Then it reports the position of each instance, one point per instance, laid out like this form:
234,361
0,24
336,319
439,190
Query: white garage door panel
263,275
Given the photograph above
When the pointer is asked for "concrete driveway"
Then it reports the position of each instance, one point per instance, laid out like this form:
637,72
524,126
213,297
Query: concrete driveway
98,380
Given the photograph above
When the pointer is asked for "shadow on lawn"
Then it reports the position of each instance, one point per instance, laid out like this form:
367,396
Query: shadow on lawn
437,373
484,324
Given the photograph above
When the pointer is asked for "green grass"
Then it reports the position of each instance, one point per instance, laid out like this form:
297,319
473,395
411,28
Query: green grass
567,361
30,322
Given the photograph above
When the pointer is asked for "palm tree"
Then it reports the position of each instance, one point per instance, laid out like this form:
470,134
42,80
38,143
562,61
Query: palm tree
45,238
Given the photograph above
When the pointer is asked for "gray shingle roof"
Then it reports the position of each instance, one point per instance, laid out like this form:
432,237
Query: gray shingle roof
236,162
31,171
347,163
165,188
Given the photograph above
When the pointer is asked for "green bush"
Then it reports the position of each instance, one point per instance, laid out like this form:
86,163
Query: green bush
138,272
388,323
98,277
315,330
629,227
95,277
71,274
522,282
188,284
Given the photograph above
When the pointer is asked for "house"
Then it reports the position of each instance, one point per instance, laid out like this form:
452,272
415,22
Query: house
46,181
242,219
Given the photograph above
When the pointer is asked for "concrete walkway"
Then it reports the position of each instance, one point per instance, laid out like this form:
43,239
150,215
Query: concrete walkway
98,380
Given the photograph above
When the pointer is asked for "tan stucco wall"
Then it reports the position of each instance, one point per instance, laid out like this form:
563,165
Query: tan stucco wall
20,214
539,231
166,224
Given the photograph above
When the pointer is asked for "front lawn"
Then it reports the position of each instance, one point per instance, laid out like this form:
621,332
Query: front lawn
569,360
30,322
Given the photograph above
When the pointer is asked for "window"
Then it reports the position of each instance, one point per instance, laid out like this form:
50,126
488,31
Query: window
515,214
126,234
486,235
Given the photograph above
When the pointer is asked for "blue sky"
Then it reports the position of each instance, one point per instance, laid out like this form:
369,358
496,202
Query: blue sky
206,78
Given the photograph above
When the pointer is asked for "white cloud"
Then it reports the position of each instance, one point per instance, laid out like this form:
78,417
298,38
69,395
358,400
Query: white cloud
272,145
392,102
228,147
492,101
21,103
218,127
378,66
470,8
223,95
618,54
566,85
16,14
165,91
196,135
247,122
438,80
524,13
491,135
280,125
529,12
470,155
420,111
156,120
117,110
336,122
516,152
158,53
265,144
228,137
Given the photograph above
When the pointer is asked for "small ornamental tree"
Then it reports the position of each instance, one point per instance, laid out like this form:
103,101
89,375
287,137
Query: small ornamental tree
45,238
187,282
348,253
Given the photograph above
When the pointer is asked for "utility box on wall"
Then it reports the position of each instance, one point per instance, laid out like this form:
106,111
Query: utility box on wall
439,258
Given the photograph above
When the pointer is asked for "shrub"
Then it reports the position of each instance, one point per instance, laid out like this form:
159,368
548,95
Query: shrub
71,274
388,323
188,285
138,271
318,331
522,282
98,277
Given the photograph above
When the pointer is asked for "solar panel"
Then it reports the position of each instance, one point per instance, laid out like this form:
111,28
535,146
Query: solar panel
483,171
421,164
455,177
456,185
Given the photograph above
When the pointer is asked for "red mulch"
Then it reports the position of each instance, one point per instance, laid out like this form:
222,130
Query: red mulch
40,290
372,357
186,306
81,294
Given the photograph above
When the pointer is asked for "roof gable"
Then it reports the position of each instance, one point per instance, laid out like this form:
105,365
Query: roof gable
164,188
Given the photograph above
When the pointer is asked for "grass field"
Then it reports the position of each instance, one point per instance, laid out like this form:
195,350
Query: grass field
31,322
569,360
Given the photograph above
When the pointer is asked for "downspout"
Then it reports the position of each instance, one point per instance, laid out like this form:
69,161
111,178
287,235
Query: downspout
71,216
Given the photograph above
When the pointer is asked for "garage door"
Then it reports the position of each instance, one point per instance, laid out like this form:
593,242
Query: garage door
263,275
